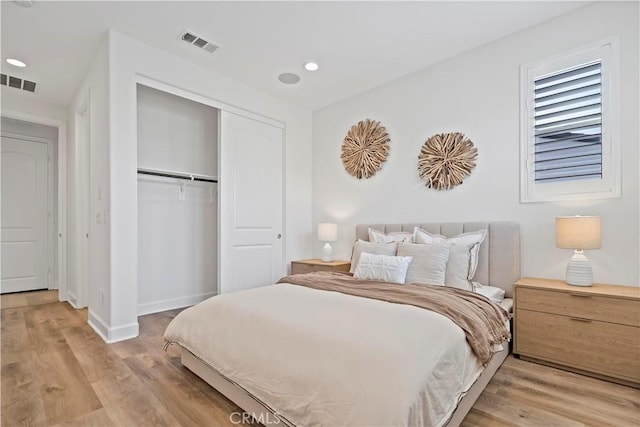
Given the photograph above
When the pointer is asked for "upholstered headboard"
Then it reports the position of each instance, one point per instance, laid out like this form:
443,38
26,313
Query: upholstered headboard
499,258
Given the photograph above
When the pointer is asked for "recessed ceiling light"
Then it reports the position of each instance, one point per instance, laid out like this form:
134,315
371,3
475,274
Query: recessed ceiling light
311,66
289,78
16,62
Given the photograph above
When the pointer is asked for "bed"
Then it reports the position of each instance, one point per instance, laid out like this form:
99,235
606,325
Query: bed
291,355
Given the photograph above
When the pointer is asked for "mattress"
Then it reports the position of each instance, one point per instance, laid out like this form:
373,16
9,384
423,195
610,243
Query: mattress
325,358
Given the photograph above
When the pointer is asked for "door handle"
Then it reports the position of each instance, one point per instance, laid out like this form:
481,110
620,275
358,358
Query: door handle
279,236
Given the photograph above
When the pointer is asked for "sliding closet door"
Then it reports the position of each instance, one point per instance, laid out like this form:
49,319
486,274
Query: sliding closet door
251,203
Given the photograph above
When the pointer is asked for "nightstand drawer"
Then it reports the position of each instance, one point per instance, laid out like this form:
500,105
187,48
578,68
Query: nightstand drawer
299,268
583,305
600,347
311,265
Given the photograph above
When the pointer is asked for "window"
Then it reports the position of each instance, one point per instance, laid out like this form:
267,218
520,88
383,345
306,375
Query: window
570,147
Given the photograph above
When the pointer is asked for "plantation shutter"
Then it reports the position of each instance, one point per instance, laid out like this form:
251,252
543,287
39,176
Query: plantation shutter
568,124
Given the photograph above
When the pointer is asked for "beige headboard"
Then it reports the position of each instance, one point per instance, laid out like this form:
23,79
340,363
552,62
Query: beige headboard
499,259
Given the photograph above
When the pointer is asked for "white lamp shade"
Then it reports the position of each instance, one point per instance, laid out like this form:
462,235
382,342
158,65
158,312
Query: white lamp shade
578,232
327,232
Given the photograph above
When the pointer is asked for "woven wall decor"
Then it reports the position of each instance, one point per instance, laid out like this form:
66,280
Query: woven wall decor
446,159
365,148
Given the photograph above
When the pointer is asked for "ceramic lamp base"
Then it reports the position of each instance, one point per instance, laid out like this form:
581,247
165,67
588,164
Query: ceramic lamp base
579,271
327,253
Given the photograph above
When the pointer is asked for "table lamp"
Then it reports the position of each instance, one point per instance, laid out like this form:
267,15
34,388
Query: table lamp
327,232
578,233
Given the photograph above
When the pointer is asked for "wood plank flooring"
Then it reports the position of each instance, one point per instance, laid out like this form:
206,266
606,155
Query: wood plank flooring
57,372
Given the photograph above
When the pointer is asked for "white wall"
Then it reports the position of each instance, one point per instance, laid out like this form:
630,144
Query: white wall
176,134
24,102
478,93
177,243
129,58
94,95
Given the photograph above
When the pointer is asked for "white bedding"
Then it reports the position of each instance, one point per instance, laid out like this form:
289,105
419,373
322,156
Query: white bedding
495,295
323,358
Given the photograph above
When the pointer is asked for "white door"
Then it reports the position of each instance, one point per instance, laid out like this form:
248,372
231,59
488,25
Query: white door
25,262
251,203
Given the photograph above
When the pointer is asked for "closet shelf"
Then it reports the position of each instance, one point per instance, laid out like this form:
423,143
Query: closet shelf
178,175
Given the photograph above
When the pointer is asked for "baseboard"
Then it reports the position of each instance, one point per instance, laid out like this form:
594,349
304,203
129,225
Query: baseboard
62,295
72,299
124,332
170,304
99,326
112,334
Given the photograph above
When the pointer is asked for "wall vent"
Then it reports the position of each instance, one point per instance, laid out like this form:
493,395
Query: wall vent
17,83
198,41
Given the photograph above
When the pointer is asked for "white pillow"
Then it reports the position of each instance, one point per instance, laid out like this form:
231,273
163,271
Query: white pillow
429,262
377,236
458,267
495,295
382,267
372,248
472,240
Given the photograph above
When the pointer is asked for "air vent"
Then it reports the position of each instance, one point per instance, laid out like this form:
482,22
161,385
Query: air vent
27,85
17,83
198,41
24,3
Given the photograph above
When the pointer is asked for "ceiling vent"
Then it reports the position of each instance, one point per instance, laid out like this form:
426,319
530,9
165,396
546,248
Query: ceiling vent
17,83
24,3
198,41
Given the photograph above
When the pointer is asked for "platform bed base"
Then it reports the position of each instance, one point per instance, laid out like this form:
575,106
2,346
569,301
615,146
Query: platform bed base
266,416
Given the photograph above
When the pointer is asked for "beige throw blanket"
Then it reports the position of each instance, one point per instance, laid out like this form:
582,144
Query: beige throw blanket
483,322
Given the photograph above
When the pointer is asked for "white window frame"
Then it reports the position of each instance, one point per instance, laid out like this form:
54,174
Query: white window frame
608,52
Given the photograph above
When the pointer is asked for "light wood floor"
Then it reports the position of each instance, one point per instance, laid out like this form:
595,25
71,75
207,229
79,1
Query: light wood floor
56,371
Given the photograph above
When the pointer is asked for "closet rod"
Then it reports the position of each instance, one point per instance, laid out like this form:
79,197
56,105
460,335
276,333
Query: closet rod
177,176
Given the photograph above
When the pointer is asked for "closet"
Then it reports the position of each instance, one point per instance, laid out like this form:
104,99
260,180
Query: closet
210,199
177,201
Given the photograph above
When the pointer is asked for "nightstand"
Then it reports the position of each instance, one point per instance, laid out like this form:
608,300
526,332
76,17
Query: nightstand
591,330
311,265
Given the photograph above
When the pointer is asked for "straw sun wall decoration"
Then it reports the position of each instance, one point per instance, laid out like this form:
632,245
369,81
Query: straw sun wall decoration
365,148
446,159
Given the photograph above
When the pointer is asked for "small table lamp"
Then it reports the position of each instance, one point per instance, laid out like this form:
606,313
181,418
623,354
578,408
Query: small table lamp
327,232
578,233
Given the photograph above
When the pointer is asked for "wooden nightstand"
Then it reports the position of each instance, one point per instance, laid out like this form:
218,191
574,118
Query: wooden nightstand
311,265
590,330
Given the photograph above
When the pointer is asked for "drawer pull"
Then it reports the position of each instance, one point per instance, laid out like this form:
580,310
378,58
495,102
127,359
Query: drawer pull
577,319
580,295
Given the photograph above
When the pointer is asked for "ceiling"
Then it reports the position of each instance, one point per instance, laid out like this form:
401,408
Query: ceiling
359,45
